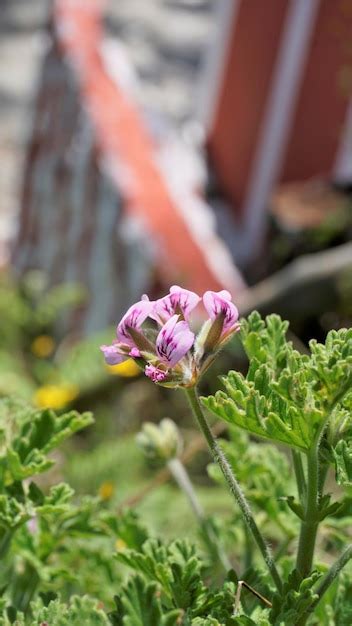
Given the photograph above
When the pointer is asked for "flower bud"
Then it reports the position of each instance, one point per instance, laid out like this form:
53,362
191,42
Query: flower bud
160,442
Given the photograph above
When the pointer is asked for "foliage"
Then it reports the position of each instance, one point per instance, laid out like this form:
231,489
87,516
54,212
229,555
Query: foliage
80,610
263,471
287,396
295,599
38,361
76,560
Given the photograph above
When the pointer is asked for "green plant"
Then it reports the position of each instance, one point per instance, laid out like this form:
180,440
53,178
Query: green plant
304,402
67,560
297,400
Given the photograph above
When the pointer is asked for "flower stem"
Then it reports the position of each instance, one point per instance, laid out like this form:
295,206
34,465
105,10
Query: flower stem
310,524
182,478
233,484
333,572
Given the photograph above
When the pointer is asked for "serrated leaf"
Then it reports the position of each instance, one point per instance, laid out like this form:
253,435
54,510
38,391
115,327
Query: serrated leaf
27,435
286,396
80,610
140,605
296,599
14,513
57,500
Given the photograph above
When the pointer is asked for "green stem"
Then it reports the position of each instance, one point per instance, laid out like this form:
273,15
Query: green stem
317,472
323,472
300,477
309,525
234,486
5,541
183,480
248,556
333,572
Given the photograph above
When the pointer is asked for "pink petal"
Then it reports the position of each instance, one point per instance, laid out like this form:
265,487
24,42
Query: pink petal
111,355
187,300
134,318
154,373
135,353
178,298
220,302
174,341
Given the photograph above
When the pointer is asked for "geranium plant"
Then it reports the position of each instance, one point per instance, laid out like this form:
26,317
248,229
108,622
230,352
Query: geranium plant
299,401
283,558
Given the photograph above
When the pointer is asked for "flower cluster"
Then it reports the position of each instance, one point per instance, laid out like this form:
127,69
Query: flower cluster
157,335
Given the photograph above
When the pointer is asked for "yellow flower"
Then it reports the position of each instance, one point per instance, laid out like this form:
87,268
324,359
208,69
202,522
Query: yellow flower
55,396
126,369
120,545
43,346
106,490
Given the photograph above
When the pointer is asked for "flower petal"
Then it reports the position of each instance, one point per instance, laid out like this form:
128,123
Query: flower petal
154,373
111,354
174,341
134,318
178,301
217,303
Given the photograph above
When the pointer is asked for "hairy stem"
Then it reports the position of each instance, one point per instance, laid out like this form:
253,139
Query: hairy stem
234,486
333,572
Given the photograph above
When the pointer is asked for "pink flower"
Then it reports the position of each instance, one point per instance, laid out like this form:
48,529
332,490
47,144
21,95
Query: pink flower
154,373
174,341
166,352
134,318
219,304
178,301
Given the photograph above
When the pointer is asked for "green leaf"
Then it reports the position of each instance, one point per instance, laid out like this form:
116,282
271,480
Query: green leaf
326,508
81,610
27,435
14,513
139,605
295,506
175,566
343,462
58,499
295,600
286,396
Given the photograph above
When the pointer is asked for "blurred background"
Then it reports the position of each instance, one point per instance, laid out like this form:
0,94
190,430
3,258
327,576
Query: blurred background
206,143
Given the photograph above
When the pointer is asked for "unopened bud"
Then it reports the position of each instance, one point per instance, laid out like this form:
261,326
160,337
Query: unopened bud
160,443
